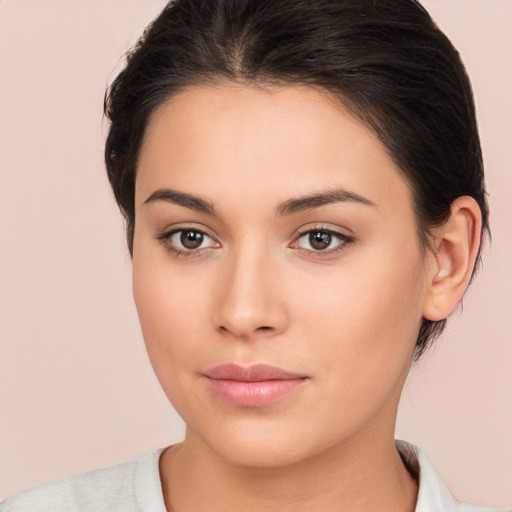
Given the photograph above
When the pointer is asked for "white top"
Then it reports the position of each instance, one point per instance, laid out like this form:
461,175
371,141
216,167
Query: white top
135,487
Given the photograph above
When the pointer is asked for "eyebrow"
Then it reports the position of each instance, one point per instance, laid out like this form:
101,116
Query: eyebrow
316,200
289,207
182,199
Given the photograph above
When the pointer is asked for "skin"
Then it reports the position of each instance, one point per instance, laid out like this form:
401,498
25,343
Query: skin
257,291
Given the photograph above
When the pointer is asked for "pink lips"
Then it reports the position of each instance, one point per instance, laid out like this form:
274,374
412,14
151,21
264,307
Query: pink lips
252,386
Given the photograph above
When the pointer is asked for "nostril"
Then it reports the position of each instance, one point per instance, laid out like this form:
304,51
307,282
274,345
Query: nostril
264,330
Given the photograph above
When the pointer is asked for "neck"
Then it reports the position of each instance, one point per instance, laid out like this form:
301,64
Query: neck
358,475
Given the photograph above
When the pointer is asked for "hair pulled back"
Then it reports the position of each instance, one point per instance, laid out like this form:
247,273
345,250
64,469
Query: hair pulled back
386,60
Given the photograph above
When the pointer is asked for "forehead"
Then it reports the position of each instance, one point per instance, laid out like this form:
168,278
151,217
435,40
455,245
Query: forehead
255,142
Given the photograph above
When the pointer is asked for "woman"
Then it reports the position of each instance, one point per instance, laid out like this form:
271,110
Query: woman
303,189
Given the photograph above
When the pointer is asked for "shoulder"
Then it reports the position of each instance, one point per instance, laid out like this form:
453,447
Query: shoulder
433,494
129,487
100,490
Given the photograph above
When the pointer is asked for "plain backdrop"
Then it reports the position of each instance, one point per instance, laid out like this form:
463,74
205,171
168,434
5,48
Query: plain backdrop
76,388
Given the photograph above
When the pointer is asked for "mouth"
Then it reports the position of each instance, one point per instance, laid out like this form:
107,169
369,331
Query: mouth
252,386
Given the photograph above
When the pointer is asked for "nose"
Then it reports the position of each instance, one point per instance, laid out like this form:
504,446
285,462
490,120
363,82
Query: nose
250,302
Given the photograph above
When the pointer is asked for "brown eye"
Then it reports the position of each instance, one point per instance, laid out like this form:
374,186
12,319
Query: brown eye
187,240
320,240
191,239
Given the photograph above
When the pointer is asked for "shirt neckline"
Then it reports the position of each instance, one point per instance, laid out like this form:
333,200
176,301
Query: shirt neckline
433,494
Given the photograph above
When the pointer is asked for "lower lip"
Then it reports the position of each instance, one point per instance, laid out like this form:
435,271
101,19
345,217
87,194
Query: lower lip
253,394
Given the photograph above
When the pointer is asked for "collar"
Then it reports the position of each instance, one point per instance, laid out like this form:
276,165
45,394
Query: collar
433,494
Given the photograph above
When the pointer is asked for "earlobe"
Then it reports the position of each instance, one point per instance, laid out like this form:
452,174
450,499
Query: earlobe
455,249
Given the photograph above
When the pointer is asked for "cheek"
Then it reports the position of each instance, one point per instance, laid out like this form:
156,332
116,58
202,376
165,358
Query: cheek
168,304
362,323
170,320
169,309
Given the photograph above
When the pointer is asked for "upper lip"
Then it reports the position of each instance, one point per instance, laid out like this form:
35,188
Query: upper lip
253,373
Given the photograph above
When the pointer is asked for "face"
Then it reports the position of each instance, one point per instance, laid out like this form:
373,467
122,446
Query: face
276,236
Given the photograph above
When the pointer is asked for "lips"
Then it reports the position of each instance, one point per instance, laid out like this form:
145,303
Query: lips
253,386
254,373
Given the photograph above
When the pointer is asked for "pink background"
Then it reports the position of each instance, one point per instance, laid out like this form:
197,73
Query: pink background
76,389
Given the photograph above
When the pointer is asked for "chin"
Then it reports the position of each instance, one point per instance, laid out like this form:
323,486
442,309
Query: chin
264,444
259,454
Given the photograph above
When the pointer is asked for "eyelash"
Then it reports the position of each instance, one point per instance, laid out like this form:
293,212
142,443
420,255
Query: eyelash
165,240
344,240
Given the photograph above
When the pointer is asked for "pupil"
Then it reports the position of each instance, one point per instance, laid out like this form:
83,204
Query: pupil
191,239
320,240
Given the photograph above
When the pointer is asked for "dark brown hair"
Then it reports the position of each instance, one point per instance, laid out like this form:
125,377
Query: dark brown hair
385,59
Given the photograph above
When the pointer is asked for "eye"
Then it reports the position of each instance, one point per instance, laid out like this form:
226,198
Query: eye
321,240
187,240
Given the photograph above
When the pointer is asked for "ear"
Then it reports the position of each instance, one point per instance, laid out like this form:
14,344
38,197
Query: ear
454,253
